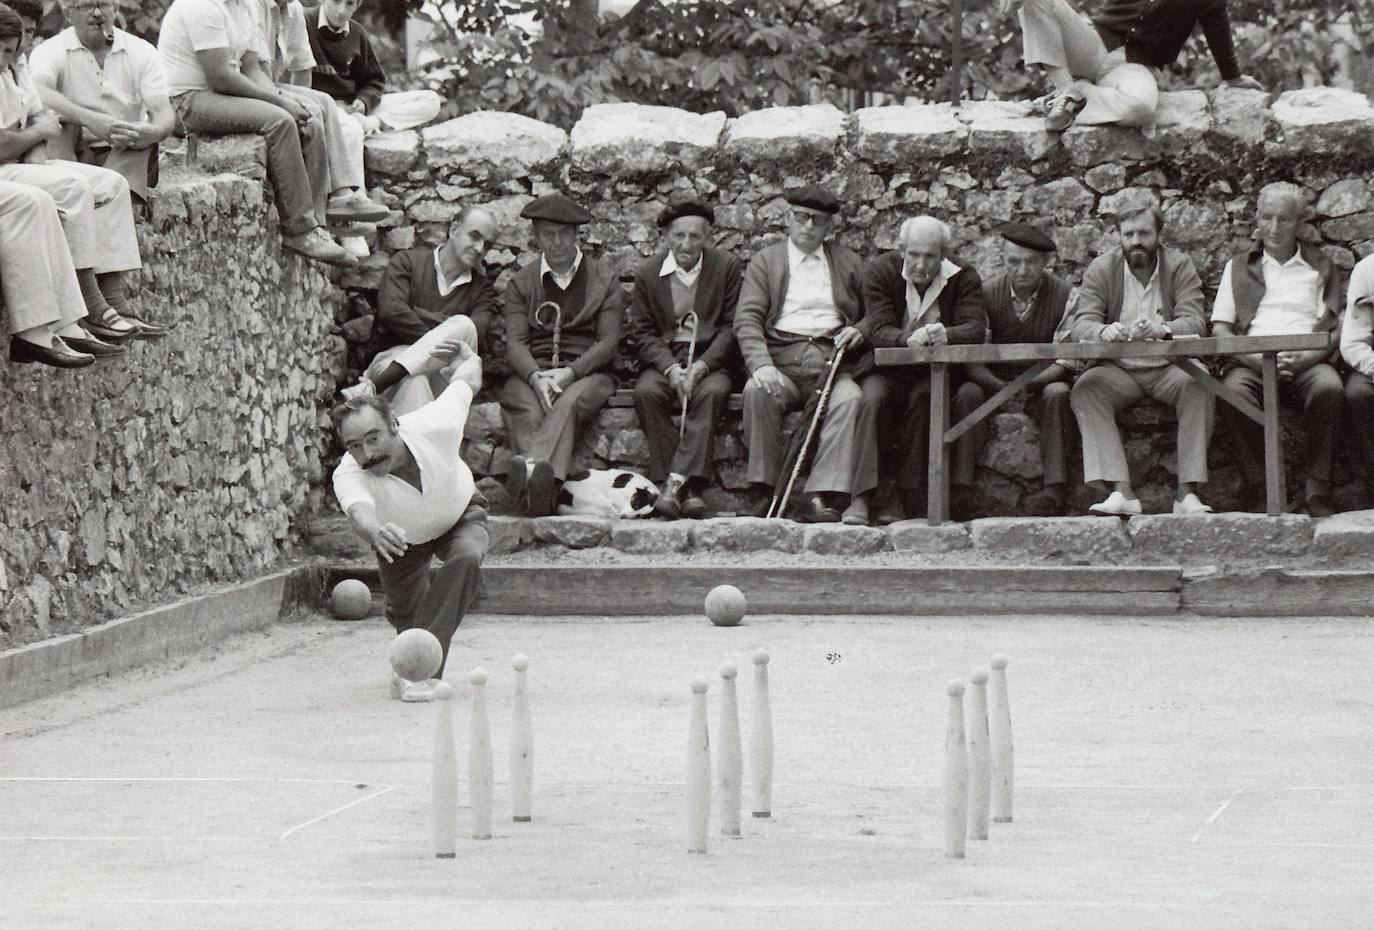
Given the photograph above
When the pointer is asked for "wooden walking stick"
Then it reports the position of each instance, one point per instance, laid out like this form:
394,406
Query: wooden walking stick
690,318
557,325
779,502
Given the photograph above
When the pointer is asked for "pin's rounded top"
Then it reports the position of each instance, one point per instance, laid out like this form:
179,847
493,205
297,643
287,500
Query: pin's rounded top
979,676
999,661
955,688
519,662
478,676
760,657
728,670
443,691
699,686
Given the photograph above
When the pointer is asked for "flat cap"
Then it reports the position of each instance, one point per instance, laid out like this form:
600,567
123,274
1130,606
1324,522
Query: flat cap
556,208
815,197
1024,234
676,211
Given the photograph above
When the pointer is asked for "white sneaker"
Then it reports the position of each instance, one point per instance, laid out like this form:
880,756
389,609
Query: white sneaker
1117,505
419,692
1191,506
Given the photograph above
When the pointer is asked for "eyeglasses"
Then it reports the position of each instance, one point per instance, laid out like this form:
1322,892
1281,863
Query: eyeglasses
807,218
104,7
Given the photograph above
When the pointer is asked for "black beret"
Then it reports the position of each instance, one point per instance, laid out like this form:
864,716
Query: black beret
814,197
556,208
675,211
1024,234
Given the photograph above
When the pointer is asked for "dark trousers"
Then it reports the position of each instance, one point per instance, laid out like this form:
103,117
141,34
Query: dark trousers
1319,391
903,402
436,599
552,436
655,404
1049,406
1359,420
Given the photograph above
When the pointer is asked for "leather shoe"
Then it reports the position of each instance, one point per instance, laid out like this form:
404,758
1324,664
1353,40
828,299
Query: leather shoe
669,503
814,509
693,506
97,347
756,502
516,476
890,509
145,330
106,333
543,490
58,355
1320,505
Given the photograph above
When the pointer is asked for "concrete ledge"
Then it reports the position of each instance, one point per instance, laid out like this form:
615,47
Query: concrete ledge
1277,592
1220,536
54,665
1345,536
1063,537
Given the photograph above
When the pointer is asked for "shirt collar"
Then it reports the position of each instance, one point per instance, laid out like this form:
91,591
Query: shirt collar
324,24
545,269
948,269
1295,259
796,256
448,287
671,266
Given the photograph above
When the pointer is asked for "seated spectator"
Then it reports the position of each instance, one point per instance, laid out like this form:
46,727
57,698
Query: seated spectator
429,295
1279,287
42,298
1357,348
1025,304
286,57
562,315
347,70
93,202
916,296
1143,290
209,49
682,314
108,88
1102,70
798,306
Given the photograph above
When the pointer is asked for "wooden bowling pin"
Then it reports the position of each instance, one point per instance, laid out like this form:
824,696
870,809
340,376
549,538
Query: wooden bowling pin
730,762
444,778
999,733
761,739
979,755
479,758
954,794
698,772
521,745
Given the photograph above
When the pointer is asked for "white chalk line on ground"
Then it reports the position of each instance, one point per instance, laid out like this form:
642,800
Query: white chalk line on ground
338,810
1221,809
654,904
184,778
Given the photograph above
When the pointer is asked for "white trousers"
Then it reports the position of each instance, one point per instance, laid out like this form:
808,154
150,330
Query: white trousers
427,377
407,109
37,278
97,212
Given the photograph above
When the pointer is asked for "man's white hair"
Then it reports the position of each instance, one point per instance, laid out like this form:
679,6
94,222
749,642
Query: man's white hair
926,225
1284,192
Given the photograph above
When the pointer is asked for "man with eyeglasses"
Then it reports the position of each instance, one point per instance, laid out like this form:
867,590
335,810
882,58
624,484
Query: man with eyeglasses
798,305
110,92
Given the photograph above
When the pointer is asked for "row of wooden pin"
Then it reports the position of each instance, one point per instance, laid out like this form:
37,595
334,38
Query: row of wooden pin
979,761
444,782
730,761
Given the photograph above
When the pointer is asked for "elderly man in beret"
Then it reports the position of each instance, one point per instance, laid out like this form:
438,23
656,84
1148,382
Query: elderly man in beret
563,315
1025,304
917,295
682,315
798,305
1281,286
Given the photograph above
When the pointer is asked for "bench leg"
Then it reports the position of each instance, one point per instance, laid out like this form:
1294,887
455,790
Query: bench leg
1274,493
937,476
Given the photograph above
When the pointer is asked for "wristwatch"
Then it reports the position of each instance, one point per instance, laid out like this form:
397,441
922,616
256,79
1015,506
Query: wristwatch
1168,332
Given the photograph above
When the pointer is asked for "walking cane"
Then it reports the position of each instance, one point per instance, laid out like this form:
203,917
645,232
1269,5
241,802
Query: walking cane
557,327
690,318
779,502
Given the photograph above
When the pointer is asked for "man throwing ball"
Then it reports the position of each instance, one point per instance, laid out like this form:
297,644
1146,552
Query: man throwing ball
410,496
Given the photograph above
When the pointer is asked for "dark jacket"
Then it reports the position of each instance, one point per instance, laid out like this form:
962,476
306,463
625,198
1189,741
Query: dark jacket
884,325
1155,31
589,333
653,321
345,66
409,303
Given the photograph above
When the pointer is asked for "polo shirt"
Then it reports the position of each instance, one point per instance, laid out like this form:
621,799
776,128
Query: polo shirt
434,435
808,308
284,43
192,26
1292,301
132,74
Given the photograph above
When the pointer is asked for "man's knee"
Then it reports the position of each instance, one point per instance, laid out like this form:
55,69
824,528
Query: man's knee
1055,394
652,390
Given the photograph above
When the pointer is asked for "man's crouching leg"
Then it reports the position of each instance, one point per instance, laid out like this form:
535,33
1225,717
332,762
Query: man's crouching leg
453,584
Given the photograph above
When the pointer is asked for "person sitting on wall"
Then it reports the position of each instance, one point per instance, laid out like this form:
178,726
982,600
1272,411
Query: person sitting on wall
109,90
563,316
798,306
1101,69
1025,304
428,296
1357,348
917,295
217,84
409,495
1141,291
347,69
1282,286
682,308
94,202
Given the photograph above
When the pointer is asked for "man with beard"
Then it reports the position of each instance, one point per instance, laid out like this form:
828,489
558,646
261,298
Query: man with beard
683,306
410,497
1141,291
427,296
1278,287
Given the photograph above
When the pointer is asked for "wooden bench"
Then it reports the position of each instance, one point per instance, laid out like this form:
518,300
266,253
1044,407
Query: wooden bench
626,398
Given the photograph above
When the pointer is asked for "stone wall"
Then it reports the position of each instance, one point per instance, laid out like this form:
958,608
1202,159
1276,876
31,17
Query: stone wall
978,167
188,460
